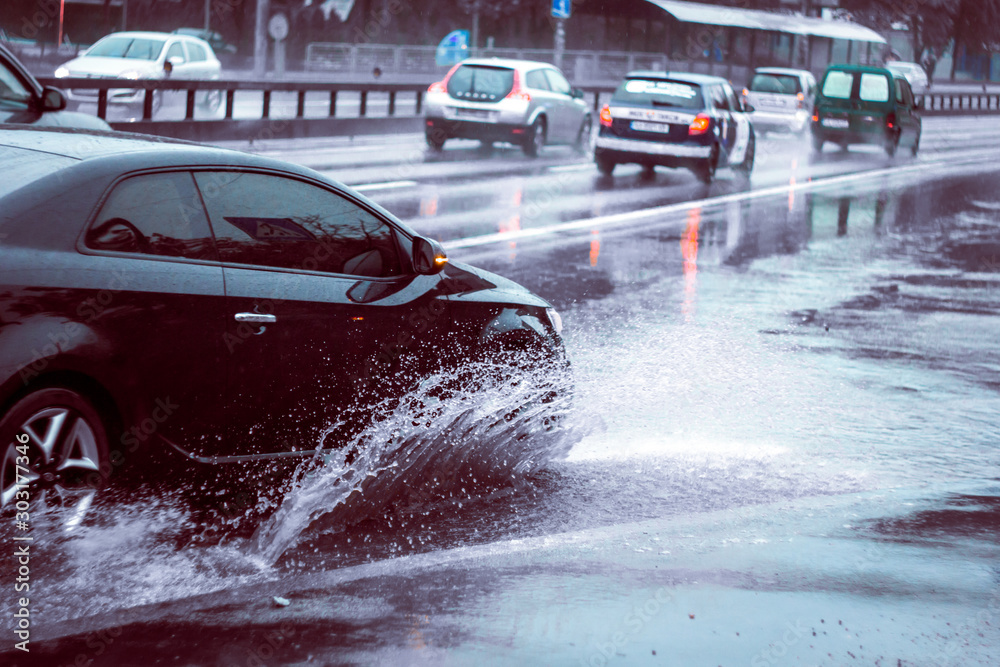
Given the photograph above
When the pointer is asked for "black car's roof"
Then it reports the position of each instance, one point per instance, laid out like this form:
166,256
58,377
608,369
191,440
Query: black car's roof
101,154
86,145
687,77
122,152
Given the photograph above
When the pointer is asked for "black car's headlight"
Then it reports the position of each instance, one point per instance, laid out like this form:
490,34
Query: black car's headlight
554,318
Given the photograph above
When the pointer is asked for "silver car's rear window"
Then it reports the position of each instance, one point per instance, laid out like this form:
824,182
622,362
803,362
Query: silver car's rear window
781,84
481,83
19,167
659,93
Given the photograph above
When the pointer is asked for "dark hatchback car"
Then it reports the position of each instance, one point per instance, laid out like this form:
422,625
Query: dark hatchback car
678,120
857,104
158,296
25,101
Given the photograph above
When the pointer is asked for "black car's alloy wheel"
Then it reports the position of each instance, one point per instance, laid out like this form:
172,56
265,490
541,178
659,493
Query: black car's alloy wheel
52,439
536,138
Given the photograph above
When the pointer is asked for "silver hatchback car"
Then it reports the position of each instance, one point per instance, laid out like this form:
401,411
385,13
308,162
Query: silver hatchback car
782,99
526,103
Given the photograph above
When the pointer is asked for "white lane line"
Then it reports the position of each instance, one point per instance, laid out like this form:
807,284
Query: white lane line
573,167
658,211
391,185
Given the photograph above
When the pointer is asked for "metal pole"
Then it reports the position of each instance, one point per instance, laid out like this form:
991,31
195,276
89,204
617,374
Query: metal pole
208,13
475,31
260,40
62,9
560,42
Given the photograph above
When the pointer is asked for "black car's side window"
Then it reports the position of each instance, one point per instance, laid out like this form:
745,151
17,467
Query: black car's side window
13,94
719,99
153,214
285,223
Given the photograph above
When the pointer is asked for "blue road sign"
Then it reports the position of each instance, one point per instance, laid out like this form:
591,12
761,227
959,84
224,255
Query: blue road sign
560,9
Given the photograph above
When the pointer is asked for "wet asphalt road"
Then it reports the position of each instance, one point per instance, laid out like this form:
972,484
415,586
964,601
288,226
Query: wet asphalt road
787,408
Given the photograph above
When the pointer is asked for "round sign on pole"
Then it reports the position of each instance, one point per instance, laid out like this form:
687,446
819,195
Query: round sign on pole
277,27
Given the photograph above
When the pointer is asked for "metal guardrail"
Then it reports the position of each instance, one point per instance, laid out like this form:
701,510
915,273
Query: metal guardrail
333,123
960,104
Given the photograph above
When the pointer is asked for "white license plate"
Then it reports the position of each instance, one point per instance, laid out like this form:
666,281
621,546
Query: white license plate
478,114
835,122
642,126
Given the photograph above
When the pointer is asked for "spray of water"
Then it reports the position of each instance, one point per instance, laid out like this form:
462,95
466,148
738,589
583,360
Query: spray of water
437,441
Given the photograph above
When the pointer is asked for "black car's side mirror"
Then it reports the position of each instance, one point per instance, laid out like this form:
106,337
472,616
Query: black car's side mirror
428,256
53,99
576,94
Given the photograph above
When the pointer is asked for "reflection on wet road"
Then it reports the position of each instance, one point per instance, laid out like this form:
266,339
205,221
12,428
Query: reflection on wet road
787,399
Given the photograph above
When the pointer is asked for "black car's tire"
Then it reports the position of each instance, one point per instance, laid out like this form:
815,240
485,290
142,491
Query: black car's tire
746,167
582,144
535,141
706,170
605,165
67,443
817,143
435,140
892,144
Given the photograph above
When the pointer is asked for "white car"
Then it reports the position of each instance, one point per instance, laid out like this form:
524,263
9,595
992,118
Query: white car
782,99
913,73
143,55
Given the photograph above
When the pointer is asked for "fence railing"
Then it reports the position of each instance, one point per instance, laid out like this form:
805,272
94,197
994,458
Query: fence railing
207,110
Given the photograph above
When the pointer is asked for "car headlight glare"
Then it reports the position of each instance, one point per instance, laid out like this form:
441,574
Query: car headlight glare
130,74
555,319
61,72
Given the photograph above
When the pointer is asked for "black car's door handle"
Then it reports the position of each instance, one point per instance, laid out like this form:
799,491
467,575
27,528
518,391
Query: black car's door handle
256,318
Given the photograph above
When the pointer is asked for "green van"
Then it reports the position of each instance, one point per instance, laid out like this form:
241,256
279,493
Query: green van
858,104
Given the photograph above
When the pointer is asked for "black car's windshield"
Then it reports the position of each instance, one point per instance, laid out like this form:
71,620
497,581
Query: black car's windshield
13,94
659,92
476,82
781,84
138,48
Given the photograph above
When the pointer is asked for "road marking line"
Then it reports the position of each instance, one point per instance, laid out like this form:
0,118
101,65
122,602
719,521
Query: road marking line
634,216
573,167
391,185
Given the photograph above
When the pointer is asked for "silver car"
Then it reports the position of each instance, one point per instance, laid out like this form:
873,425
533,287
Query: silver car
782,99
526,103
913,73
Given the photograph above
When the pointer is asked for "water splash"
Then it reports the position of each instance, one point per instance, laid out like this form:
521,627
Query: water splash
437,441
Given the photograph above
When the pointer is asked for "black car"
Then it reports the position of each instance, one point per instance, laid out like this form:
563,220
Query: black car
678,120
24,100
159,296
